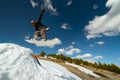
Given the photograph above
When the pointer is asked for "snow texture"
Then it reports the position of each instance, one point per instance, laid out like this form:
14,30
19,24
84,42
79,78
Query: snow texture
85,70
16,63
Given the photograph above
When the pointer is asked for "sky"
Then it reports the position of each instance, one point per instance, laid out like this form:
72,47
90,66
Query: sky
84,29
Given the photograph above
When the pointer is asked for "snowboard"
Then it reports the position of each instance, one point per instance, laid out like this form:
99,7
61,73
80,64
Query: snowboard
34,41
37,42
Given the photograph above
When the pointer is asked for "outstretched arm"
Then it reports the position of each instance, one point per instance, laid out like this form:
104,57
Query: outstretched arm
41,15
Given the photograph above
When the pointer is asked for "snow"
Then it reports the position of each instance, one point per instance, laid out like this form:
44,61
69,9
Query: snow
16,63
85,70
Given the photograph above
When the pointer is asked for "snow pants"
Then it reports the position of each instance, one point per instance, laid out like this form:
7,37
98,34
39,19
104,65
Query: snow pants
40,33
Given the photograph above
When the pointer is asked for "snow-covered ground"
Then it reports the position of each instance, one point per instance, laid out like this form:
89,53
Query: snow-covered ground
85,70
16,63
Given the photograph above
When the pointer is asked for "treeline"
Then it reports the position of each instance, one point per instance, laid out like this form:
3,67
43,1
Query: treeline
99,65
109,67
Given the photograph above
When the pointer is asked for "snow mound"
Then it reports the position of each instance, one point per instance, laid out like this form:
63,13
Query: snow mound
16,63
49,43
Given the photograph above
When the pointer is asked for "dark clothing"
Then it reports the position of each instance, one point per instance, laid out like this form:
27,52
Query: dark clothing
40,31
39,26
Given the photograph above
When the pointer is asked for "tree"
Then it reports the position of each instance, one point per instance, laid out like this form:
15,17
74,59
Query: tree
114,68
42,54
68,59
76,61
61,57
52,55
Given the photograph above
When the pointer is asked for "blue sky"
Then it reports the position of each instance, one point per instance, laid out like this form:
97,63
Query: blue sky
88,29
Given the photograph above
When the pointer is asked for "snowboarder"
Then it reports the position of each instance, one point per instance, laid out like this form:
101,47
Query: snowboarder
40,29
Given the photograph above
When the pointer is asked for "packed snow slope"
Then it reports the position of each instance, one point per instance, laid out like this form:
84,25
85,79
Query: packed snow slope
16,63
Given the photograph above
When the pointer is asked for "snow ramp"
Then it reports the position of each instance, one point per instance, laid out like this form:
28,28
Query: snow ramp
16,63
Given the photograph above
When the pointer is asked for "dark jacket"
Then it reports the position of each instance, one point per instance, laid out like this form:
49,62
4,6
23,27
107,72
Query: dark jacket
39,26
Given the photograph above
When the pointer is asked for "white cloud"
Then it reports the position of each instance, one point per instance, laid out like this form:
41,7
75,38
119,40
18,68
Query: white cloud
69,2
34,4
72,51
91,45
48,43
69,47
49,6
69,50
66,26
73,43
61,51
95,6
27,37
87,55
97,43
100,43
106,25
98,57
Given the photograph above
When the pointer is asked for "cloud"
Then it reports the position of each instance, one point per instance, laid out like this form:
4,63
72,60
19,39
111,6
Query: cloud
91,45
69,50
97,43
69,47
61,51
98,57
106,25
100,43
87,55
27,37
73,43
95,7
72,51
34,4
48,43
48,5
66,26
69,2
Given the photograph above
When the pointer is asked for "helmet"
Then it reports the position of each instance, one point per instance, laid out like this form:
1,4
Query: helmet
33,23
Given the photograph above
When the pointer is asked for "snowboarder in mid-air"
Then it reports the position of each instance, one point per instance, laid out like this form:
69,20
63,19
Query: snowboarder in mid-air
40,29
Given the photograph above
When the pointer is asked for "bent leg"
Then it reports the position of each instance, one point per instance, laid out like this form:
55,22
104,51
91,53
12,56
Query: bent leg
36,34
43,34
44,37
